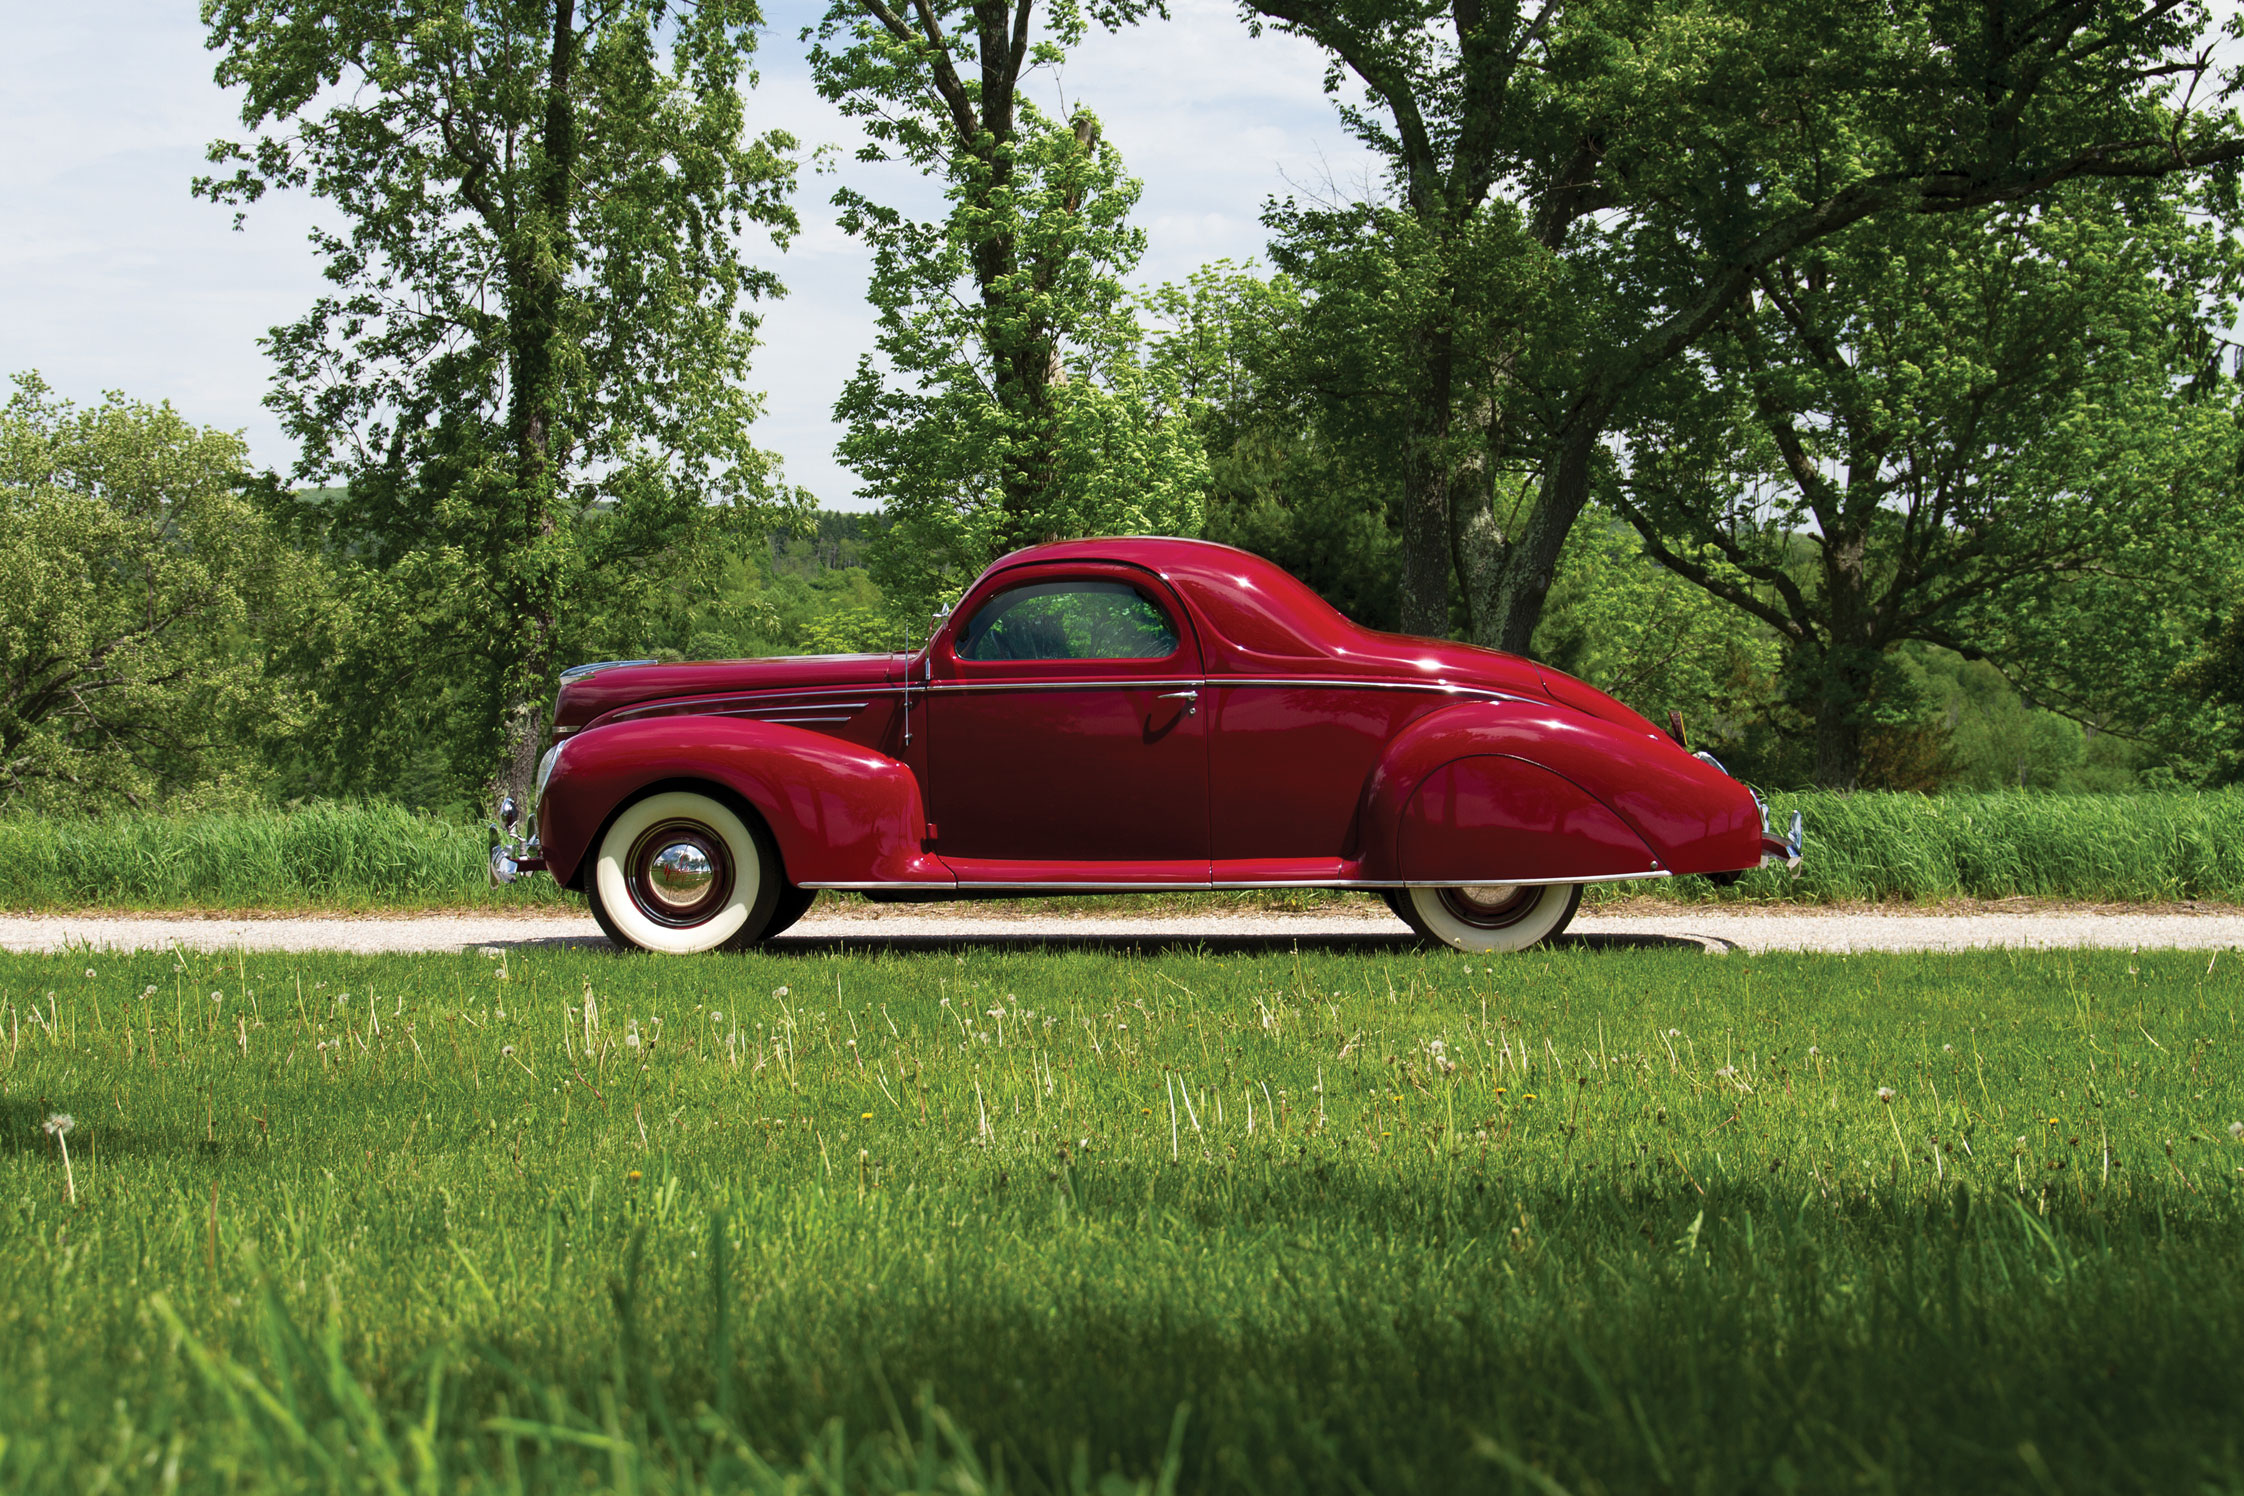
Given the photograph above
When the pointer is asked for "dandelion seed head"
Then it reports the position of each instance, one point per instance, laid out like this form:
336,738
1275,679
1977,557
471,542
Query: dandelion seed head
89,973
1812,1050
780,991
1885,1094
2236,1131
58,1124
716,1017
1675,1033
218,997
1947,1049
506,1051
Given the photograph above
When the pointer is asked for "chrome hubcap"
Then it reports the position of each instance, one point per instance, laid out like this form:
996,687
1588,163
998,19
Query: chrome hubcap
678,873
678,876
1491,906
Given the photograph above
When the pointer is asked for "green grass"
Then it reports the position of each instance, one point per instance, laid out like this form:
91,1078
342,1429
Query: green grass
331,856
1867,847
1581,1221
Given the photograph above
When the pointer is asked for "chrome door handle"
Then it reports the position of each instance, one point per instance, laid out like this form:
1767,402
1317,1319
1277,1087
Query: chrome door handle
1191,700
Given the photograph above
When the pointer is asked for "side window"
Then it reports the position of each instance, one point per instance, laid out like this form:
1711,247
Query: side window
1068,621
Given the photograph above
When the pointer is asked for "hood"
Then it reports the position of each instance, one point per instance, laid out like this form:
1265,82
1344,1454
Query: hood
590,697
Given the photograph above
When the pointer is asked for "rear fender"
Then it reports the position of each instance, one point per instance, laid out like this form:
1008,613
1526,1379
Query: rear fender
840,813
1486,788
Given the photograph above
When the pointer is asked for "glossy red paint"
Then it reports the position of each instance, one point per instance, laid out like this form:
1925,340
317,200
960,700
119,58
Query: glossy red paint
839,813
1070,761
1495,819
1277,744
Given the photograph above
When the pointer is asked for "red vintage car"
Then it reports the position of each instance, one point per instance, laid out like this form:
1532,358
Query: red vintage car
1119,715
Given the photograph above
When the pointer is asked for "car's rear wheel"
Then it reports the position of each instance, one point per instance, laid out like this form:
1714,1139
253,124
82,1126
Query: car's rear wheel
1488,917
680,872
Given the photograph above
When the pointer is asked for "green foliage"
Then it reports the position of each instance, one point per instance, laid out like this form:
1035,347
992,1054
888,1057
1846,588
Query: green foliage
1643,634
2000,435
1008,402
1298,1221
140,596
1578,195
1281,485
530,373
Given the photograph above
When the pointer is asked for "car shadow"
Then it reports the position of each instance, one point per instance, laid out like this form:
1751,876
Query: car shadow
1149,944
1162,944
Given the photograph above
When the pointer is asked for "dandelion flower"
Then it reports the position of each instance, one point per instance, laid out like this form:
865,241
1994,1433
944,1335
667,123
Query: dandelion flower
1885,1094
633,1177
864,1116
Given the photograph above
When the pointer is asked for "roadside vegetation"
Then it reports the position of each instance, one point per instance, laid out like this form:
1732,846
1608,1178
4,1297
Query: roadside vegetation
1589,1220
1865,847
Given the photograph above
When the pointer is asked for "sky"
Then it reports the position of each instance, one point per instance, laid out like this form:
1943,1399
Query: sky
112,277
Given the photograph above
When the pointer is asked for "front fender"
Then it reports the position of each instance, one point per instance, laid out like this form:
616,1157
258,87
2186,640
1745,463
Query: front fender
841,813
1509,787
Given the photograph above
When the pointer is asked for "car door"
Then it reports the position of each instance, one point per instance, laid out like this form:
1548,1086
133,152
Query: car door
1065,741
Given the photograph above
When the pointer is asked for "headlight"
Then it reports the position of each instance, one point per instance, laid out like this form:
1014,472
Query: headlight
545,772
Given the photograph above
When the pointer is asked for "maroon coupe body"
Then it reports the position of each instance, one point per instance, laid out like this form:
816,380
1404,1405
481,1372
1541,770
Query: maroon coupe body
1125,714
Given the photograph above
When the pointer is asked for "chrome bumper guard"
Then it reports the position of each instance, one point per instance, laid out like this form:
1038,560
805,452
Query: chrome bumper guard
511,855
1782,851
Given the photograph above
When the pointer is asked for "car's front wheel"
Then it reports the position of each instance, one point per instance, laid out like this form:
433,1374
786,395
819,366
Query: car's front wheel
680,872
1488,917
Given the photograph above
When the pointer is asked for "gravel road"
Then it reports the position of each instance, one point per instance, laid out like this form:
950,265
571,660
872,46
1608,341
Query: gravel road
1716,930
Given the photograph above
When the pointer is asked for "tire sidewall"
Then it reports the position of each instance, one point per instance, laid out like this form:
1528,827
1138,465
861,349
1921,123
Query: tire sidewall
1551,914
741,919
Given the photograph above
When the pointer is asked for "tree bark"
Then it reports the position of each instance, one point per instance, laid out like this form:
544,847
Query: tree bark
1426,490
536,263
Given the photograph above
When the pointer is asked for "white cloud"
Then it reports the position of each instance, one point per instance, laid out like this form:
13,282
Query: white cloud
113,277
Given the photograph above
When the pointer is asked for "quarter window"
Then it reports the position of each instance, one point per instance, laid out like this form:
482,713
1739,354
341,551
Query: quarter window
1069,621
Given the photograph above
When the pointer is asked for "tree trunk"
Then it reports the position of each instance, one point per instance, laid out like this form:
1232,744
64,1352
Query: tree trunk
1508,578
1426,490
1849,666
537,261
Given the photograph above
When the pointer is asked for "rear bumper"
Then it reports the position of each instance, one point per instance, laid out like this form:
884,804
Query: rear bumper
1785,850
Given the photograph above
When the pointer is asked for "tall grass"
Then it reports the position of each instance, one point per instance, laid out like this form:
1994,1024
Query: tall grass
1591,1221
1860,847
328,855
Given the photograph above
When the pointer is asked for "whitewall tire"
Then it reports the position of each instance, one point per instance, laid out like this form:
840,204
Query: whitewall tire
1488,917
679,872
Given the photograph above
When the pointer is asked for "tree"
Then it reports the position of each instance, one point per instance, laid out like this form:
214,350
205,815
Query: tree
1957,430
529,374
1622,172
1008,403
138,588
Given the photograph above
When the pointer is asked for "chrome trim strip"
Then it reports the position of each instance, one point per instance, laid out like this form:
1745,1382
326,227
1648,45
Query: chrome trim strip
1351,883
1446,688
948,686
579,672
775,721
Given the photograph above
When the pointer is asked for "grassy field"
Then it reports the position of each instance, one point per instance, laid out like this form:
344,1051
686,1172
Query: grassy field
1866,847
1576,1222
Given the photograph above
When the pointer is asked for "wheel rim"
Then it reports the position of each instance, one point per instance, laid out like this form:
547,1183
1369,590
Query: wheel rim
1492,906
679,873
